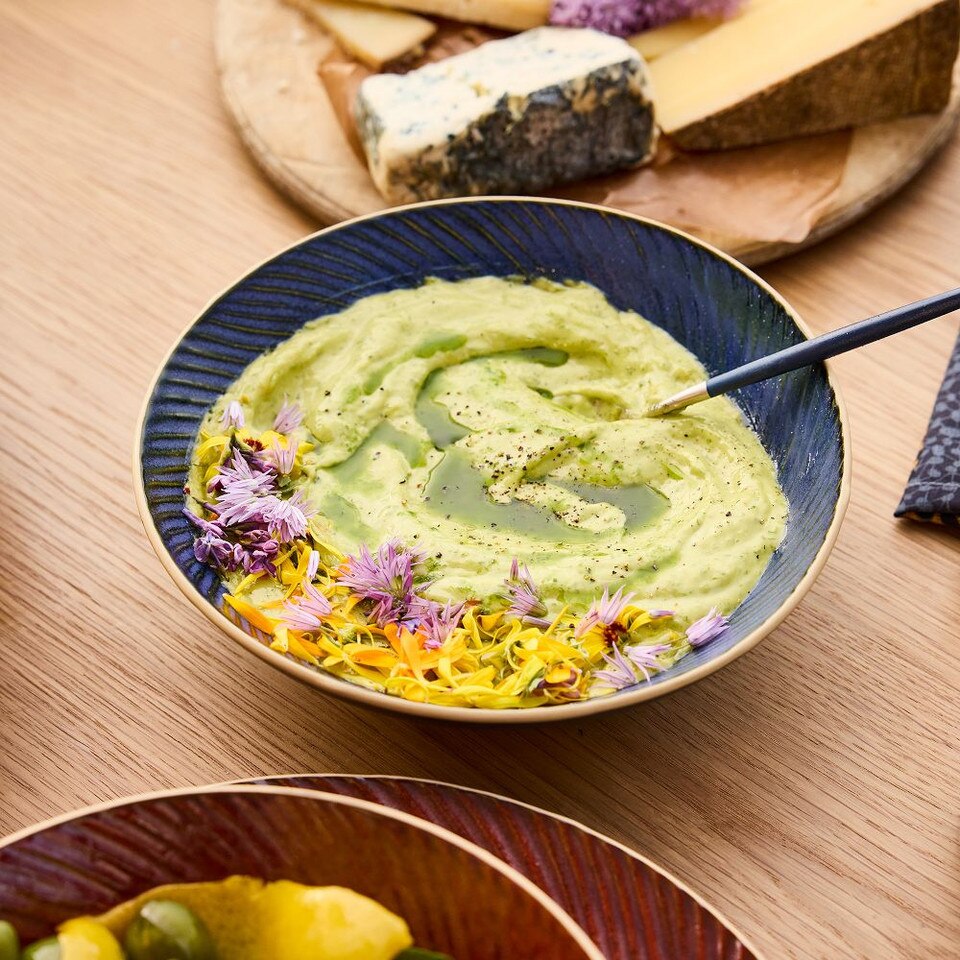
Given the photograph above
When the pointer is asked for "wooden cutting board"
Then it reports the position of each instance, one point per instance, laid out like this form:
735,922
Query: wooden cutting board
267,56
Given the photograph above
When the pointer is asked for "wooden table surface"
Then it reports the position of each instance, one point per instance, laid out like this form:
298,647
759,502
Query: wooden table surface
808,791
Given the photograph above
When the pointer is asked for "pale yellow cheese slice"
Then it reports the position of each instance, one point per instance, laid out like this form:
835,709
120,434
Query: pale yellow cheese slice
374,35
507,14
789,67
660,40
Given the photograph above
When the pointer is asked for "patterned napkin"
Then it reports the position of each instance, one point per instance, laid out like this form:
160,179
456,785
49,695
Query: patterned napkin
933,492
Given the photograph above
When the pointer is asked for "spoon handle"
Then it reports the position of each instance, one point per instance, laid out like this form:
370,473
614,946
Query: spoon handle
837,341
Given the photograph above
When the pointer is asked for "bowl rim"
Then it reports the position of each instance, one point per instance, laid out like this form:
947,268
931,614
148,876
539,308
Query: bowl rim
567,711
590,950
636,855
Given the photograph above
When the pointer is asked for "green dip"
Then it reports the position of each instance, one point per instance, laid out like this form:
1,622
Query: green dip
489,419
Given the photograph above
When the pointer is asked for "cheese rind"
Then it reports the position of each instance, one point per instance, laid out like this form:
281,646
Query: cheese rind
512,116
507,14
374,35
797,67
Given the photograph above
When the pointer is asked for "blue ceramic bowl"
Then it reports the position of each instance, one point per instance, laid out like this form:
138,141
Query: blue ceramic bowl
714,306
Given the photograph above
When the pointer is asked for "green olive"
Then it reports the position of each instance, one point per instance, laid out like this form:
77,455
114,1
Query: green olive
166,930
48,949
9,942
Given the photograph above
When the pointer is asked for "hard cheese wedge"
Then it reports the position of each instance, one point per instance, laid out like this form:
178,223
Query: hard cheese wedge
512,116
374,35
508,14
786,68
661,40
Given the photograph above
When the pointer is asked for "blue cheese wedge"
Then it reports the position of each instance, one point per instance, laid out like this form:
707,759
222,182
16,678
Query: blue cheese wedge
512,116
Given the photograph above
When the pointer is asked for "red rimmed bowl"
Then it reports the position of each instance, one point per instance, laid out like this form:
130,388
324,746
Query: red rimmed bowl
455,896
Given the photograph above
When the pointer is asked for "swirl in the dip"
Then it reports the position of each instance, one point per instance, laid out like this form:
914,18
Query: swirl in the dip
488,419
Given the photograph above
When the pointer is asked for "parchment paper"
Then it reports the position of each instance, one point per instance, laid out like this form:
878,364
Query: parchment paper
773,193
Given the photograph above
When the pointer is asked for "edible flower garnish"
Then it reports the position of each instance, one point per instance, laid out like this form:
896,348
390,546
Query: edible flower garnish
644,657
525,601
233,415
289,417
287,519
707,628
281,457
308,611
385,578
368,617
622,18
605,613
438,623
619,673
313,565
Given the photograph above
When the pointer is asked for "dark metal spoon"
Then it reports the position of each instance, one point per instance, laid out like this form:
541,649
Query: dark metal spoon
813,351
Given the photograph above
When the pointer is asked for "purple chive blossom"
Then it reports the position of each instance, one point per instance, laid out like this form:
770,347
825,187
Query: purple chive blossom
439,622
603,612
625,17
286,519
707,628
620,673
213,550
244,486
211,546
206,526
644,657
526,603
313,564
233,416
282,458
257,551
244,473
387,579
308,611
288,419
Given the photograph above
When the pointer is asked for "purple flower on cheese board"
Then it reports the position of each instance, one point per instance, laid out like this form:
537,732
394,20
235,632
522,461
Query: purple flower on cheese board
233,416
622,18
288,418
524,597
619,17
605,612
439,622
707,628
385,578
313,565
308,611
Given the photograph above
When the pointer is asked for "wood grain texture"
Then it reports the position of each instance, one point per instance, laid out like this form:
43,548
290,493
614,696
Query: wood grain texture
267,57
808,790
